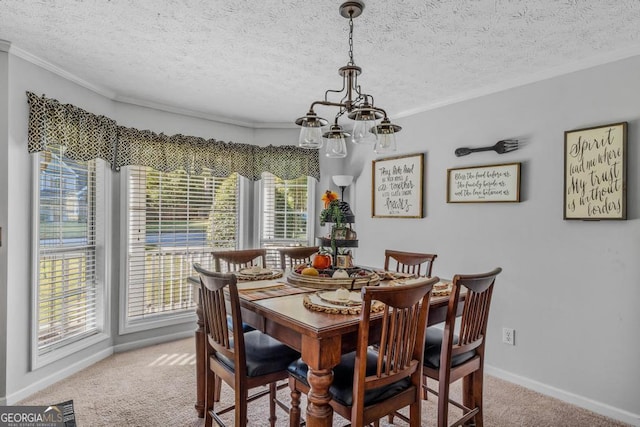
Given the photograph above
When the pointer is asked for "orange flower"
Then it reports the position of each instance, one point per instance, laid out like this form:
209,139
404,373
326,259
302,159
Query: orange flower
328,197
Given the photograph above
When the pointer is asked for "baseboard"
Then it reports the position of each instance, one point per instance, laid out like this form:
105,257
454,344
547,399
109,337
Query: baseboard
118,348
565,396
13,398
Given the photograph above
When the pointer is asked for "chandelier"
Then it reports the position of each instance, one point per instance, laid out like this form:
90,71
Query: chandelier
358,106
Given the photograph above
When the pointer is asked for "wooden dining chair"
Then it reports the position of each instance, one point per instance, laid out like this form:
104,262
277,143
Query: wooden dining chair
449,357
369,384
296,255
243,360
228,261
409,262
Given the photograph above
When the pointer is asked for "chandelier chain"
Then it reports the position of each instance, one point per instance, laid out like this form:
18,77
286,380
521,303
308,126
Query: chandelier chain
351,62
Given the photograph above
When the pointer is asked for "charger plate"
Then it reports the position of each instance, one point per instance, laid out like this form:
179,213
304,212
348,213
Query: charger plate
441,292
353,299
315,303
263,274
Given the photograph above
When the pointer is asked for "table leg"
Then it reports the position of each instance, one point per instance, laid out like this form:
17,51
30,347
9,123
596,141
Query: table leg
320,356
319,412
200,361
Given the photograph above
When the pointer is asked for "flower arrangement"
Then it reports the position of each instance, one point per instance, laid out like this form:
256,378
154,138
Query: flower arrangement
332,211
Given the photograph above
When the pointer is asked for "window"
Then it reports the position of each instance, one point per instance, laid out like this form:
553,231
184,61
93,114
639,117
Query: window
70,273
173,220
284,216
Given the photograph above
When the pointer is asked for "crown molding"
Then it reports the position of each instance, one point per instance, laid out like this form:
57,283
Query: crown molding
29,57
201,115
562,70
5,45
181,111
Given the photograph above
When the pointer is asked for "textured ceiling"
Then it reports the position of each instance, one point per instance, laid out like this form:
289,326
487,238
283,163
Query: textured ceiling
264,62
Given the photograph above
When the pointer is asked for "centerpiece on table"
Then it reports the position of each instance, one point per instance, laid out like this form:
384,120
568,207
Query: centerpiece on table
332,267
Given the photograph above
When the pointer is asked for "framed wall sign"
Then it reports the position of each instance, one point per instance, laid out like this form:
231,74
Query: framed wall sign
397,187
595,170
490,183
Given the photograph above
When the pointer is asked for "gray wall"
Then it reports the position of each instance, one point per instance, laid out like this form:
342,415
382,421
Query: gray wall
569,288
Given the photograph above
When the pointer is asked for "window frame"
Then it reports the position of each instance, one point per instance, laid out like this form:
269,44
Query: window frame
102,269
126,325
259,218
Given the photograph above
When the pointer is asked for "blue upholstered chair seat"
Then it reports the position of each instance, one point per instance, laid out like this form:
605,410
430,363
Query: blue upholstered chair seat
433,345
264,354
342,386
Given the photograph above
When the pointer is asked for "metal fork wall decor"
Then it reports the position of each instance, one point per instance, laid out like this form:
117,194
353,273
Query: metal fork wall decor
500,147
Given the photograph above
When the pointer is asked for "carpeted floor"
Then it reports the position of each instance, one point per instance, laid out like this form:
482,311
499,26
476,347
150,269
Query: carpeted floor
155,386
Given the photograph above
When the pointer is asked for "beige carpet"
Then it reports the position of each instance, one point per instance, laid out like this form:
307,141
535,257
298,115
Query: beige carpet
155,386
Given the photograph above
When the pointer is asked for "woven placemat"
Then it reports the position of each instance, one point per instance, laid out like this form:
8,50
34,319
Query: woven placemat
273,273
315,303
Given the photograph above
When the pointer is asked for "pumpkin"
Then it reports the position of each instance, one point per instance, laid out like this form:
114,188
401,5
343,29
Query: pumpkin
322,261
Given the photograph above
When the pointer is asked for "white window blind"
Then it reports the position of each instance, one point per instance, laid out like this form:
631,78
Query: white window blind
174,220
284,220
68,298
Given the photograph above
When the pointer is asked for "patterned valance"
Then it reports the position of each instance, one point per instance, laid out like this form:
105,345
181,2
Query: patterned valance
87,136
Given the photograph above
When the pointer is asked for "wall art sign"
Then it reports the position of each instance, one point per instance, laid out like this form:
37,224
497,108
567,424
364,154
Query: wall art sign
595,173
480,184
397,187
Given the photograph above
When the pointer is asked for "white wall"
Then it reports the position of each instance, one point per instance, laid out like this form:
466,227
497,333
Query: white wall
569,288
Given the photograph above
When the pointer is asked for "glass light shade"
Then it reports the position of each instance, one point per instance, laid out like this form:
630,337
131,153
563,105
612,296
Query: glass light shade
336,147
342,180
310,137
386,143
361,133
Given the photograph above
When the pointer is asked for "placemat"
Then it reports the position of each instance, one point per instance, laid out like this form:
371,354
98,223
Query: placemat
264,274
276,290
315,303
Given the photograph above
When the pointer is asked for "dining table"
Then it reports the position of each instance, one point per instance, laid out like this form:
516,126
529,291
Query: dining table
276,307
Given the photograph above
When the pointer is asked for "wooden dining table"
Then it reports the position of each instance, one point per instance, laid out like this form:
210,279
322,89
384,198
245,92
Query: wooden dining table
320,337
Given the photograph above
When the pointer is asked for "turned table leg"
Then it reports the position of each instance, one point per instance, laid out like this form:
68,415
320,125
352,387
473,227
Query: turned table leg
319,412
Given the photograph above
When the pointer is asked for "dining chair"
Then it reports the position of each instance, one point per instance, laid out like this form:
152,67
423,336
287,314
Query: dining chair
449,357
409,262
369,383
235,260
243,360
296,255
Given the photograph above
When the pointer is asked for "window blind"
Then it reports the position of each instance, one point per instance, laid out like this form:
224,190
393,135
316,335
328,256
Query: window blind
285,214
67,293
174,220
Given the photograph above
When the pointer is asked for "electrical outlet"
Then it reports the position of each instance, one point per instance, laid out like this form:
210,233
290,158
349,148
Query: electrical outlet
509,336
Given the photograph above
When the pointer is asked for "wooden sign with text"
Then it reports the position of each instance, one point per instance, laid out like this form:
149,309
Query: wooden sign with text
595,173
397,187
489,183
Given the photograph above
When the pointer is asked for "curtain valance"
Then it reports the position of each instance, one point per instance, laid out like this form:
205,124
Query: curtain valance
87,136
